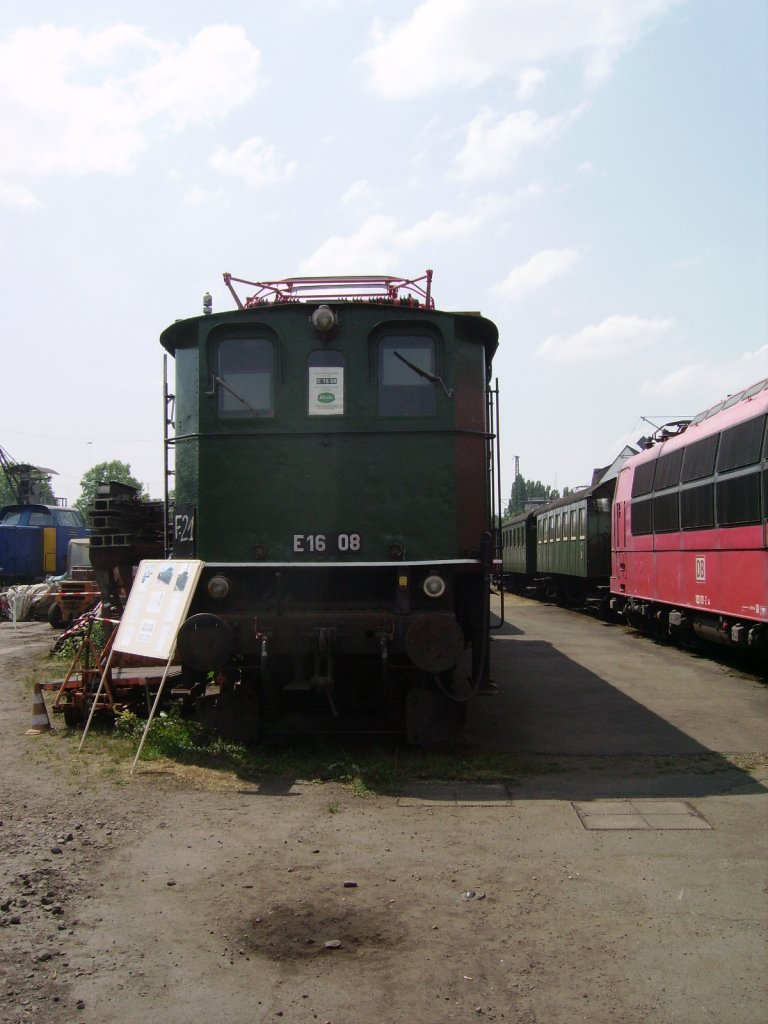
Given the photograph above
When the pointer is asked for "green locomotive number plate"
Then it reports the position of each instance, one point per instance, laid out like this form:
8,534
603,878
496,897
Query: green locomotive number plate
325,543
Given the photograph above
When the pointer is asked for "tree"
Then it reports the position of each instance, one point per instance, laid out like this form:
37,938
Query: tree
103,473
525,490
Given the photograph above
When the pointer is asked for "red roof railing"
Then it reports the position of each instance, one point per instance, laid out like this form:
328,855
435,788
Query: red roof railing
366,288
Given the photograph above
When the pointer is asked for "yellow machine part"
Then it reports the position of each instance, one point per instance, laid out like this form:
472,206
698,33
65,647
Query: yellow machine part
49,549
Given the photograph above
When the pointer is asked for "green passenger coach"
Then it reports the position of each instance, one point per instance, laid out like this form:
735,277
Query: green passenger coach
561,551
331,457
573,545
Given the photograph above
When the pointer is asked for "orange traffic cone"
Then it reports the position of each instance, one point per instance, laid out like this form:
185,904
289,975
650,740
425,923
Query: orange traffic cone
40,721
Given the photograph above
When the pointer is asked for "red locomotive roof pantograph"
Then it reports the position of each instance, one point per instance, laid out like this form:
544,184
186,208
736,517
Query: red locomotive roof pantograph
365,288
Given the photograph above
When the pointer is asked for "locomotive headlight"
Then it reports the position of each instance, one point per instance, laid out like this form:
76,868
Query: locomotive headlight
323,319
434,585
218,587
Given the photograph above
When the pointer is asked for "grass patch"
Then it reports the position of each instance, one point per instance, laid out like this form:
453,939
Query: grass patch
364,765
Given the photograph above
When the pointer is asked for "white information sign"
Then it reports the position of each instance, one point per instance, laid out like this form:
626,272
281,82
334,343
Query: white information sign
157,604
326,390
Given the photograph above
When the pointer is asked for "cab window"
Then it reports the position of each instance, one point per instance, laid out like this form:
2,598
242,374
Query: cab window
40,519
403,390
66,517
245,378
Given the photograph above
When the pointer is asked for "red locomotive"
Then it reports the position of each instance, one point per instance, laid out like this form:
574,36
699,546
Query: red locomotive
689,530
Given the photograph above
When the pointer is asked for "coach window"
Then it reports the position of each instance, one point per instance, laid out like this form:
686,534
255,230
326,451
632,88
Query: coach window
573,524
325,377
244,381
406,373
581,524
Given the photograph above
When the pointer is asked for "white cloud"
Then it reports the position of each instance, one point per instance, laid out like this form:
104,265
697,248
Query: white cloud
17,196
216,71
361,193
492,206
255,161
613,336
712,380
75,102
543,267
372,249
493,144
447,43
379,242
438,227
381,239
529,82
201,198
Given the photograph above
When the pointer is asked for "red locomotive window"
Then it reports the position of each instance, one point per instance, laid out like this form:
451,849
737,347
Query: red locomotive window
697,507
738,500
642,522
751,392
741,445
666,513
642,481
700,458
734,400
668,470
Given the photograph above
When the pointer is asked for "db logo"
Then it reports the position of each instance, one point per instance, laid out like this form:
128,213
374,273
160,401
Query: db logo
701,570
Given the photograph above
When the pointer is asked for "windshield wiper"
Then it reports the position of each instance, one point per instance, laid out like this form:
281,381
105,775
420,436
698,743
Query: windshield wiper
222,383
426,374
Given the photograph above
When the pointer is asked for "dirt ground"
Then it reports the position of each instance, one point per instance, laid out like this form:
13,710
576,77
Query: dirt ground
623,881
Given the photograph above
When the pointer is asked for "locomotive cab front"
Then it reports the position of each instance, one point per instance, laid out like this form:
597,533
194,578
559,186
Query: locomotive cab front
331,471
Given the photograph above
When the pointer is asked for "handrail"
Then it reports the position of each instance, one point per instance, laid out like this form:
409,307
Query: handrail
361,288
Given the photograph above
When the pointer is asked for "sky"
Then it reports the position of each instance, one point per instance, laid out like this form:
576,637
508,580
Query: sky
589,174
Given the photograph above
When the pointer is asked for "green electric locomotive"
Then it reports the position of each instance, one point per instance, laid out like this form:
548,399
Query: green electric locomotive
332,459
